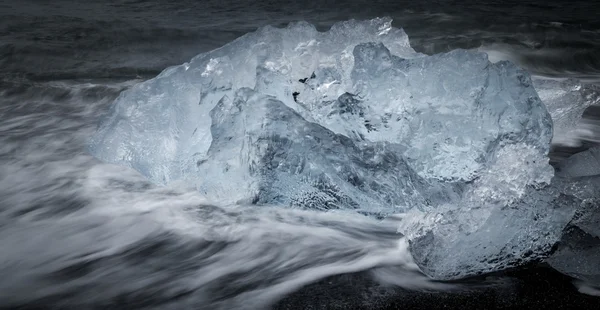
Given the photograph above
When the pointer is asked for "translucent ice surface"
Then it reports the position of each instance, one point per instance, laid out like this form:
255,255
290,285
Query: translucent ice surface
354,119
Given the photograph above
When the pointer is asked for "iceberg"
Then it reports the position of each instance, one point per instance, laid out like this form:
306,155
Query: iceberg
354,120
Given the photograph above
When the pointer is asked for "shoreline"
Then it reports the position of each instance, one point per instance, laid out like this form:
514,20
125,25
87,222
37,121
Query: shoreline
529,287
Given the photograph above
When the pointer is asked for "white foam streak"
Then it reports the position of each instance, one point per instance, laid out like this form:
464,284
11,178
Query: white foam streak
587,289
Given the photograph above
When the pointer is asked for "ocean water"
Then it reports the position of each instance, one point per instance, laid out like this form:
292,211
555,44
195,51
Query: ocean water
77,233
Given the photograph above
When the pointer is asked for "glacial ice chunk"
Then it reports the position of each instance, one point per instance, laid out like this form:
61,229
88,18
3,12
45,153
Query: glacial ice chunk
578,255
578,251
355,119
583,164
566,101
